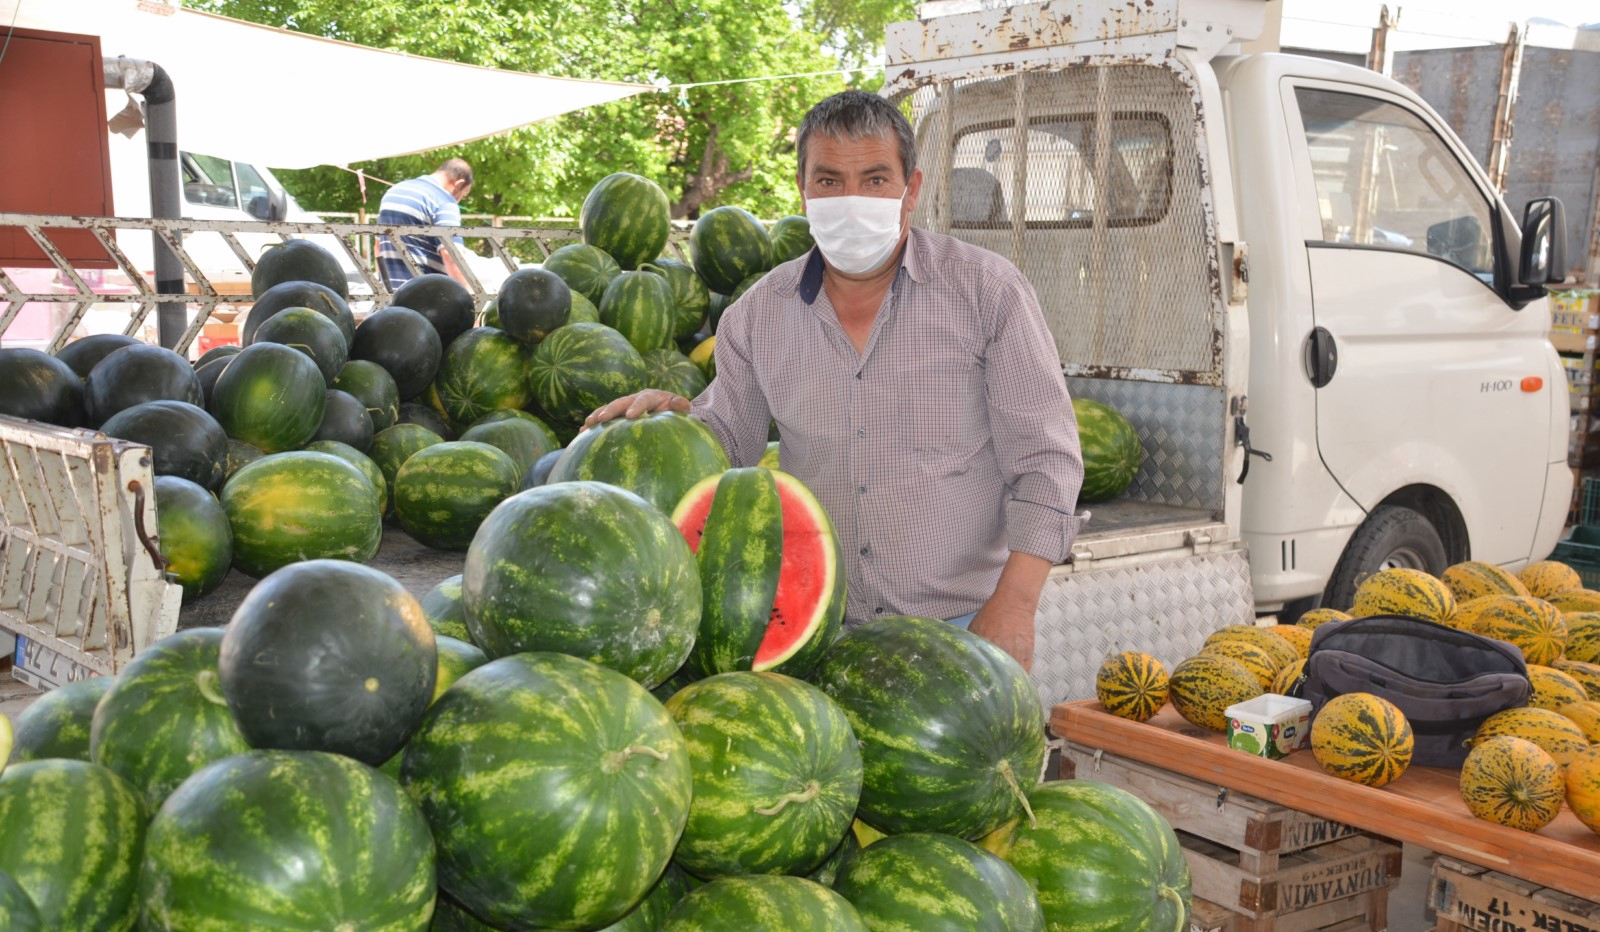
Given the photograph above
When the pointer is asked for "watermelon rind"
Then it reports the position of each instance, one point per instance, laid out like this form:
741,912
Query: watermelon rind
671,370
586,270
690,297
728,245
57,724
582,366
640,306
443,492
658,457
482,371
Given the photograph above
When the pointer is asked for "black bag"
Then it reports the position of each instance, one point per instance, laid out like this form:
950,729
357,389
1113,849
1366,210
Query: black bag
1446,681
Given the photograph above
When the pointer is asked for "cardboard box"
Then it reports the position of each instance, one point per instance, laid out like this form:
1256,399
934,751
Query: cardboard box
1574,311
1269,726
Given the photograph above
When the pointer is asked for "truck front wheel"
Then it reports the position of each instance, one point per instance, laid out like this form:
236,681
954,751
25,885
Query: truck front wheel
1392,536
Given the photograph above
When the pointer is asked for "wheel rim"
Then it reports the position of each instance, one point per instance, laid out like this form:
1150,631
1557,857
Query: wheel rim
1404,558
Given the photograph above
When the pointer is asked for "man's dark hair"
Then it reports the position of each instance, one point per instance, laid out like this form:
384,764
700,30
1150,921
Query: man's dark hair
857,115
456,170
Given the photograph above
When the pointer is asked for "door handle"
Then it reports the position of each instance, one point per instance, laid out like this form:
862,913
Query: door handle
1322,357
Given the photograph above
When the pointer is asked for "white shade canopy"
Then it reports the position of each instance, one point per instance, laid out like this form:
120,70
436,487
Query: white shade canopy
288,100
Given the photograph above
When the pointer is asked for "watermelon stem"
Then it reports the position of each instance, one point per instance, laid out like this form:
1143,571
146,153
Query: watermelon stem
804,796
1016,788
614,761
1182,910
210,684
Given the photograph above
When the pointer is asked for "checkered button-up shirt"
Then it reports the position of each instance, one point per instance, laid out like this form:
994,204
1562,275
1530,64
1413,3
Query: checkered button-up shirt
943,445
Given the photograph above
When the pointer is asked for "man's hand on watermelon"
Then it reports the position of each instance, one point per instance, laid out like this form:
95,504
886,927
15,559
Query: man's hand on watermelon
1007,618
636,406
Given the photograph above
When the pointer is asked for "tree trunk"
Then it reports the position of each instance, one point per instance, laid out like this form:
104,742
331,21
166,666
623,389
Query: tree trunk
704,185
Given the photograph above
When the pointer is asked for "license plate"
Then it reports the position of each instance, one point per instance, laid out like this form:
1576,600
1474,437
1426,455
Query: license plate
44,668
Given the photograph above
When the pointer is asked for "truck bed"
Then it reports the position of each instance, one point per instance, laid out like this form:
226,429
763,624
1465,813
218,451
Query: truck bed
1123,516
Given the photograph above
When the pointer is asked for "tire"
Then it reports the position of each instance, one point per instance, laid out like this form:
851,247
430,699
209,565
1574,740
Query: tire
1392,536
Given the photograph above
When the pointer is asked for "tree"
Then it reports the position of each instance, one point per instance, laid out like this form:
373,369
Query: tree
717,143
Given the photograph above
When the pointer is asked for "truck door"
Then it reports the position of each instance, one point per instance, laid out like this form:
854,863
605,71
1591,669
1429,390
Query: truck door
1424,372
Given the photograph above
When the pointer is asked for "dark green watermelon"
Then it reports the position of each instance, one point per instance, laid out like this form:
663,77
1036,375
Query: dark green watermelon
640,306
586,269
208,375
728,245
668,369
345,419
719,303
444,301
790,237
539,473
300,505
828,872
311,333
36,386
391,448
135,374
582,366
744,286
183,439
940,883
196,540
327,655
82,355
403,342
484,370
297,260
658,457
740,904
57,723
241,454
445,611
522,440
374,387
627,216
584,310
288,840
423,415
270,396
221,351
443,492
586,569
319,298
533,302
691,299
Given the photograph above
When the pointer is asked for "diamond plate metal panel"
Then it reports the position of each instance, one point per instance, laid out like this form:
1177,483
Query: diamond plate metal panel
1182,428
1165,609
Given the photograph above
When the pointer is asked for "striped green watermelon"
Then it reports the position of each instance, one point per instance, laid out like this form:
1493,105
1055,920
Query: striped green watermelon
668,369
556,790
827,873
929,882
772,903
777,774
57,723
445,610
165,716
456,659
303,329
744,286
72,836
691,299
627,216
585,310
586,569
17,912
194,535
288,840
1111,450
951,730
300,506
586,270
393,446
545,431
531,303
444,492
524,438
483,370
791,238
580,367
771,572
658,457
374,387
639,305
361,461
271,397
1100,859
728,245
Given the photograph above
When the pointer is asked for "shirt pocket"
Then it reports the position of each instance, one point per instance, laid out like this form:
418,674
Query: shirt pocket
942,408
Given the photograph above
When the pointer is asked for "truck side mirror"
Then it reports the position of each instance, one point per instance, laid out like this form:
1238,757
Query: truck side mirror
1544,243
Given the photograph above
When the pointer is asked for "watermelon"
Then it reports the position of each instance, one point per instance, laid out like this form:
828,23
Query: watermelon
72,839
442,493
239,455
391,448
556,790
728,245
627,216
345,419
404,343
1111,450
524,439
791,238
320,298
582,366
327,655
83,354
311,333
135,374
184,440
1100,859
193,533
777,774
744,286
429,411
444,301
220,351
57,723
587,569
297,260
288,840
828,872
951,730
17,912
374,387
165,716
300,506
691,299
484,370
719,303
640,306
585,269
531,303
445,611
585,310
937,883
271,397
778,904
36,386
457,658
658,457
359,460
208,375
771,572
668,369
539,473
704,356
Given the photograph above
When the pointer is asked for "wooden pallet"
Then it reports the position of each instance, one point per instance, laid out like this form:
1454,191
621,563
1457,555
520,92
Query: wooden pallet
1465,897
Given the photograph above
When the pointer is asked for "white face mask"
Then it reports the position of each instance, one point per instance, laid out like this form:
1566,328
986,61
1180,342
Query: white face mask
856,234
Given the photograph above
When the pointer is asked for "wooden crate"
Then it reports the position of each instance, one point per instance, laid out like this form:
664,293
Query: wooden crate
1466,897
1272,868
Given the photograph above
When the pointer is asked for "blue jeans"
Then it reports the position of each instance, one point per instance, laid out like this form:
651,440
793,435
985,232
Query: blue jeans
963,621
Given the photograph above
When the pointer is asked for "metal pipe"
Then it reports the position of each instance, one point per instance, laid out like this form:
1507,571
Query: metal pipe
161,140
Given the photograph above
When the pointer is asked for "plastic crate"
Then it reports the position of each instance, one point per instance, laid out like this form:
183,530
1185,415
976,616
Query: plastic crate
1589,505
1581,549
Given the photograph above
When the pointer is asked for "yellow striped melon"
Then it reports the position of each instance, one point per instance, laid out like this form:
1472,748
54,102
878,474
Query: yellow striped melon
1298,637
1583,636
1474,578
1587,674
1577,600
1403,591
1545,578
1205,685
1553,689
1321,616
1512,781
1466,616
1531,623
1560,737
1586,715
1362,738
1132,685
1257,659
1583,788
1287,677
1266,637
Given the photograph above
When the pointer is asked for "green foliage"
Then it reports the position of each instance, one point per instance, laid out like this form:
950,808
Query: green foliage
706,146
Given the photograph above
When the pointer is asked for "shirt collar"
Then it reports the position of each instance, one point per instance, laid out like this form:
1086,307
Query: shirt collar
811,277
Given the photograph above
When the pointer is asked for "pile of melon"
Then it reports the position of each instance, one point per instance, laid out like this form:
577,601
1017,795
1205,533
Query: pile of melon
1524,763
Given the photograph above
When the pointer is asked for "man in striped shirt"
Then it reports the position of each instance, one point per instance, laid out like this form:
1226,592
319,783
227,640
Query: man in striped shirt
431,200
915,385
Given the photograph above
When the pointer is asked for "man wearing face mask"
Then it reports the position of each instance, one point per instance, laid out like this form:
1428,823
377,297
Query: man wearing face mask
915,386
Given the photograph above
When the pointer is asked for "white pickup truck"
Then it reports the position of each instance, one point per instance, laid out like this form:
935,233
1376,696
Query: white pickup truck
1327,327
